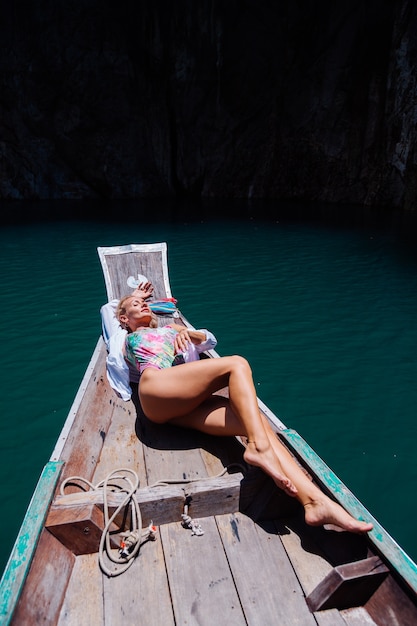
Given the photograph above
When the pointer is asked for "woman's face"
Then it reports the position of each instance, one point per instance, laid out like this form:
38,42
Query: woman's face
137,314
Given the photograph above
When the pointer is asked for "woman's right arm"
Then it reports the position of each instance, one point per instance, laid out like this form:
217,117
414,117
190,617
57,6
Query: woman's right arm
144,291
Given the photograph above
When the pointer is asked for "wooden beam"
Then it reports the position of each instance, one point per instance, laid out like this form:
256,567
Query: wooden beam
76,520
348,585
79,528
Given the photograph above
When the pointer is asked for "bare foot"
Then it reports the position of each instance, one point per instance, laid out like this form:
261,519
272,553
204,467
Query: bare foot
266,459
324,511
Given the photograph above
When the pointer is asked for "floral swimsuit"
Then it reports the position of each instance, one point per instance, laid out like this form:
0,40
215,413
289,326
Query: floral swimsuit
151,347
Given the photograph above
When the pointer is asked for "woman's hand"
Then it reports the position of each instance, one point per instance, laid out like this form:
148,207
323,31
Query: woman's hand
186,335
143,291
181,340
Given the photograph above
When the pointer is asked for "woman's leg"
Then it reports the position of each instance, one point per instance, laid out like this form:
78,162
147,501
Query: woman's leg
319,509
174,392
216,417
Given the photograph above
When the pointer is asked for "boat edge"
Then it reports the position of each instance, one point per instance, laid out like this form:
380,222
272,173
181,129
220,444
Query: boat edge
386,545
20,559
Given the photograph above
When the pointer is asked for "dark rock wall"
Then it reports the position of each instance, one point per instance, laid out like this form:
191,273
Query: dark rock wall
209,98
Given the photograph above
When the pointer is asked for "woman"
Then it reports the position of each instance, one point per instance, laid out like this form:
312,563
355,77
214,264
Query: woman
124,377
184,396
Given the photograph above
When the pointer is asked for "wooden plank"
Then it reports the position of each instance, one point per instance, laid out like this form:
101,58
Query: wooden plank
360,617
390,605
78,528
25,545
162,504
46,583
97,358
266,583
83,603
202,588
385,544
348,585
121,448
170,452
212,462
140,595
308,560
85,440
120,262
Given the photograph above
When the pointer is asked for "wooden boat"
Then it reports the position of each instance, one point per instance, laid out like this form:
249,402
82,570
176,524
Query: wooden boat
257,562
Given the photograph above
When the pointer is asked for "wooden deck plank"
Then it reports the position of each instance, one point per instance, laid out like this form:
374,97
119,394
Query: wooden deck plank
387,606
151,264
85,440
267,585
173,464
121,448
202,588
306,557
357,616
170,452
83,604
140,595
309,563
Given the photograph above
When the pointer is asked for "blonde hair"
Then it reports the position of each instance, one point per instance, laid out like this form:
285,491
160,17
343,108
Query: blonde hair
121,310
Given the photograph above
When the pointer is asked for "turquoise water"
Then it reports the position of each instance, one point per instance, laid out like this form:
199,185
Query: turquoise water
326,314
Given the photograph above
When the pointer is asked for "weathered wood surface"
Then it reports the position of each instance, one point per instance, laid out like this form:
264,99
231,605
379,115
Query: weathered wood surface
84,442
387,606
83,603
349,585
79,528
201,583
118,266
142,596
121,446
43,595
268,588
77,519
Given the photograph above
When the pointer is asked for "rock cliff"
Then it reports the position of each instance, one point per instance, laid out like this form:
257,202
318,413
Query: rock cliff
238,99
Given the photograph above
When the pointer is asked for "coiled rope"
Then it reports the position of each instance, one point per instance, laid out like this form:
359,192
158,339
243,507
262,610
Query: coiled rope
136,536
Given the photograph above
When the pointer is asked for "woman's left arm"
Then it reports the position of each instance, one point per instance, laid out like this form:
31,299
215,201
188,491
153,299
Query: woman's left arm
185,335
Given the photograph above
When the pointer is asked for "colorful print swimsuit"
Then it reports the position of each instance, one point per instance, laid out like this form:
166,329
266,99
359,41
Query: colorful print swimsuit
151,347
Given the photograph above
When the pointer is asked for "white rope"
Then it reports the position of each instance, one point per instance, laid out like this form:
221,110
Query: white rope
188,522
135,537
132,541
